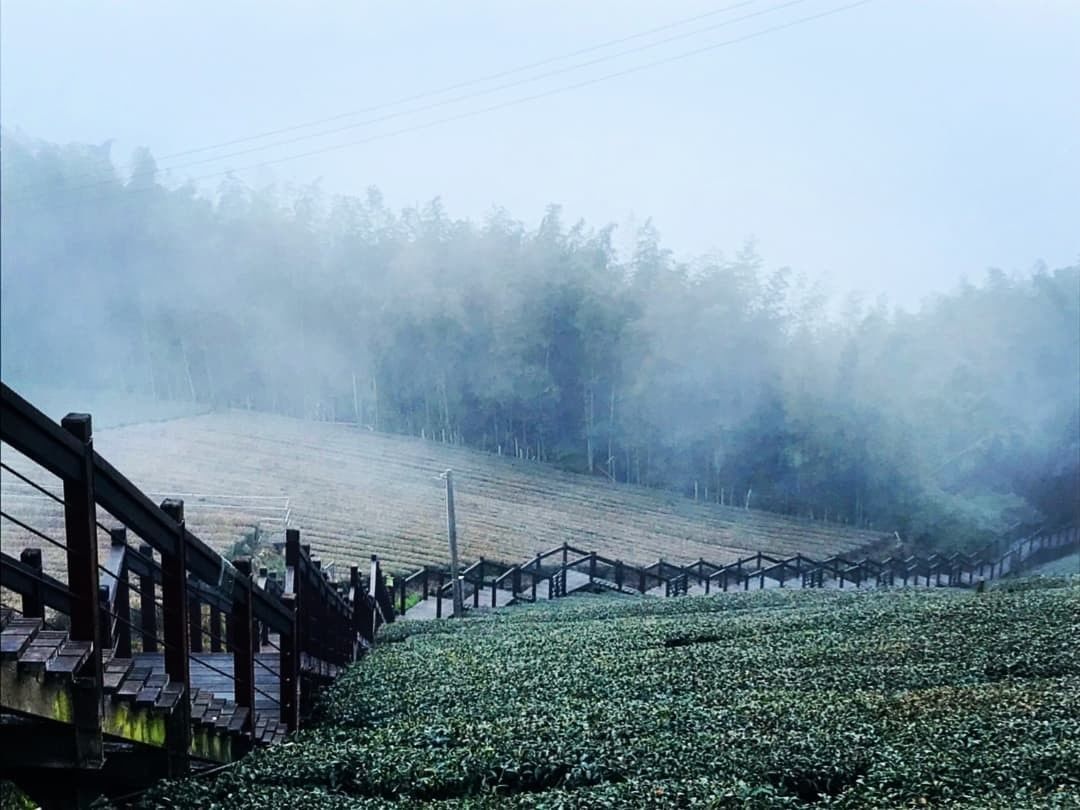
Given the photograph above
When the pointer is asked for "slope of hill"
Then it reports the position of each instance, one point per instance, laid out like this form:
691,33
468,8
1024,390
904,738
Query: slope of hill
778,699
353,493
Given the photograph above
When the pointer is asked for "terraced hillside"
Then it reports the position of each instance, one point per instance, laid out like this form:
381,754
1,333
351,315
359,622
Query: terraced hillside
888,699
353,493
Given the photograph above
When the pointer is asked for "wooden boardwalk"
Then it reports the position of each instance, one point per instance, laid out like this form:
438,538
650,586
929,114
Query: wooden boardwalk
489,585
212,674
121,692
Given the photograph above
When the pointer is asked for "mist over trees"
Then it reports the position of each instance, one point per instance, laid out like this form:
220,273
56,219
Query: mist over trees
718,375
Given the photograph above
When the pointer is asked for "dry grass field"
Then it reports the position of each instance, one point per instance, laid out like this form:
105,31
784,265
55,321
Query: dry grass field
353,493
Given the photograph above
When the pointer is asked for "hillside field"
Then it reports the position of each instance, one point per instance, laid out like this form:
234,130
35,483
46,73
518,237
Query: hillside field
776,699
353,493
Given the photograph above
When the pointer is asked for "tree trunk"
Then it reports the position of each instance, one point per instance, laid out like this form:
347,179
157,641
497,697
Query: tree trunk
187,369
357,417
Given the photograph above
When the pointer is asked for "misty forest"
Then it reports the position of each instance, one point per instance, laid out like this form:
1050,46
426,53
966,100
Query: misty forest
716,376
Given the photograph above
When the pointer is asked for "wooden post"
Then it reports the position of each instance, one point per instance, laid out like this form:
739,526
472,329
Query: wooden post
401,597
215,629
177,642
359,602
195,618
118,539
147,605
244,640
105,617
451,536
478,584
438,597
592,568
80,523
289,659
289,670
33,606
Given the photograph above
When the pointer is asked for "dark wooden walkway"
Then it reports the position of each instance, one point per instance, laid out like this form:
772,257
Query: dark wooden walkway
220,684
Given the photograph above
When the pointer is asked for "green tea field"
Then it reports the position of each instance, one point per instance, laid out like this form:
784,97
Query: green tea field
775,699
353,493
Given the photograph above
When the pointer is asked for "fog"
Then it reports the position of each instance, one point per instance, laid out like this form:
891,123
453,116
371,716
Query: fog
821,256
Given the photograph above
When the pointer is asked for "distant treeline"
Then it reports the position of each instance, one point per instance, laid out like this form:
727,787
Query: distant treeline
715,375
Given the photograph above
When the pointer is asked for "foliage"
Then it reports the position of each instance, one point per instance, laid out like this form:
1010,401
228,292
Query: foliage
844,700
949,424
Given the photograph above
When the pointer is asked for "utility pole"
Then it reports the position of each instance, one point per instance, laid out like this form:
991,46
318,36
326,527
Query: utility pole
451,536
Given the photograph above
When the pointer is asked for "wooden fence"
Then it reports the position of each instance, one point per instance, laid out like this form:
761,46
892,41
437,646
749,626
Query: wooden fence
129,670
565,569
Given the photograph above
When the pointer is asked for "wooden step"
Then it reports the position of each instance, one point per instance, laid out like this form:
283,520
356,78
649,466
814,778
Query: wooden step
16,637
169,696
133,683
115,671
240,716
223,719
69,658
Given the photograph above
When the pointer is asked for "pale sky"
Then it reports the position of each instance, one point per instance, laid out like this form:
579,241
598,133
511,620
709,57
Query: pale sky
894,147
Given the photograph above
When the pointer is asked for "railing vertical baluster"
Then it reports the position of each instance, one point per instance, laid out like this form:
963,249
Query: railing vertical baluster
33,606
215,629
357,594
195,618
177,642
118,539
147,604
104,618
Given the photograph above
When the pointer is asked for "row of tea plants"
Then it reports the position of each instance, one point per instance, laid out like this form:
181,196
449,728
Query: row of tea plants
775,699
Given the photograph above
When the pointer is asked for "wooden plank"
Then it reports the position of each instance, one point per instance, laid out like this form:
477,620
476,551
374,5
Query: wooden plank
34,658
119,665
77,648
226,716
111,681
170,695
12,646
133,683
213,712
147,696
47,637
64,664
236,724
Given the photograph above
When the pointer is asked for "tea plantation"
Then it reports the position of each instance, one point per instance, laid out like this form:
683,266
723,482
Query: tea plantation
775,699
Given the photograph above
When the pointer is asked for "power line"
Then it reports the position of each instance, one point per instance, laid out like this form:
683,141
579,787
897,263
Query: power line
456,99
450,88
490,90
521,100
467,83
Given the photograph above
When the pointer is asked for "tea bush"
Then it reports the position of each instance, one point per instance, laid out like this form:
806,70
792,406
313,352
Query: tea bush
776,699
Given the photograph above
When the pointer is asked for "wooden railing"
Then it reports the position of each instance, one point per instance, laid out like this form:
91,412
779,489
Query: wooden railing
757,571
314,626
